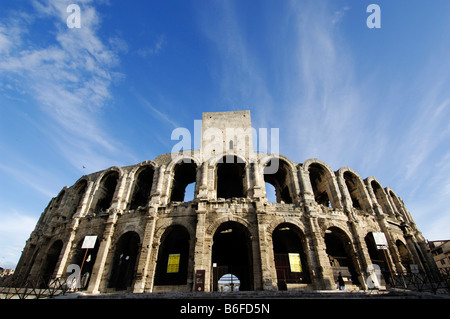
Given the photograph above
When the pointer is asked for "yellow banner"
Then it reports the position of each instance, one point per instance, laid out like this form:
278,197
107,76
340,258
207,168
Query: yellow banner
173,265
294,261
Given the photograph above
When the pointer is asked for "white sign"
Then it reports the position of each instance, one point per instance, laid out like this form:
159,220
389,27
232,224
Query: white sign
380,240
89,242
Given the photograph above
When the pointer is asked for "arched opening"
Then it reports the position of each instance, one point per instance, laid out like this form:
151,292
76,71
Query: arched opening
228,283
377,256
405,256
105,192
124,261
290,258
280,180
51,259
397,205
185,174
319,183
351,182
77,258
142,187
271,193
230,177
232,254
380,195
173,257
78,192
340,253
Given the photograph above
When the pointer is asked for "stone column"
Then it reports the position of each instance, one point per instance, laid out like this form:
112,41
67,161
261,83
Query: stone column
268,272
146,250
105,244
321,269
203,189
201,262
67,248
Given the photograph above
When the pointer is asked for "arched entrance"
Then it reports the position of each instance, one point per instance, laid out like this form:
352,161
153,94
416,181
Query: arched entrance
173,257
378,257
290,259
232,254
77,258
341,255
123,264
51,259
405,256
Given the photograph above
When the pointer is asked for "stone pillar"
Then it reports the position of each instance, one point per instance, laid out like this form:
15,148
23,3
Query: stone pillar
67,248
146,250
362,254
268,272
321,269
201,262
105,244
203,189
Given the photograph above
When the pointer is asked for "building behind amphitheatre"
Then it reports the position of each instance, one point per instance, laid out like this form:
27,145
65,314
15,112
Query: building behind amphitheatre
147,238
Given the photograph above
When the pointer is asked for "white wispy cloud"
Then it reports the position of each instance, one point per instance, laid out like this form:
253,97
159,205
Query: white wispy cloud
70,77
158,46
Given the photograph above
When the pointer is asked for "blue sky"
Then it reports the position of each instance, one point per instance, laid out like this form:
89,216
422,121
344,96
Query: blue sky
76,101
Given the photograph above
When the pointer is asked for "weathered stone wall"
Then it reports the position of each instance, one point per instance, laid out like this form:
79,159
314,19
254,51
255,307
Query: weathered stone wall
99,204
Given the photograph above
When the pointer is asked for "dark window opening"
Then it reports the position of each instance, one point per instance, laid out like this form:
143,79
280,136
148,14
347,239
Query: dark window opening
230,177
142,188
405,256
339,250
79,191
319,183
124,262
184,174
106,191
51,259
350,182
379,194
280,181
173,257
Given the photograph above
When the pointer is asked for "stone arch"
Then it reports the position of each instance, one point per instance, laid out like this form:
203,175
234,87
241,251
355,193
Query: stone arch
290,255
77,194
78,255
51,259
282,180
380,195
396,203
184,173
322,182
124,262
107,186
232,253
356,189
341,254
173,259
185,158
406,258
142,186
212,228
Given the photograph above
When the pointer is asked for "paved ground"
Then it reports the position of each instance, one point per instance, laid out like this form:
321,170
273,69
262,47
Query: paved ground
327,294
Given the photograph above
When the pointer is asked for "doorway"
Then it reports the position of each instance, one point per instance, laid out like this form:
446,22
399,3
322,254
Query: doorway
232,254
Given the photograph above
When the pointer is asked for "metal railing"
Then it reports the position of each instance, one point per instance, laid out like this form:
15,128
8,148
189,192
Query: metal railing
422,282
34,288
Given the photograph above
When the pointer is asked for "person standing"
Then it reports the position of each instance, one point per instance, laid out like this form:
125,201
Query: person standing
341,283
